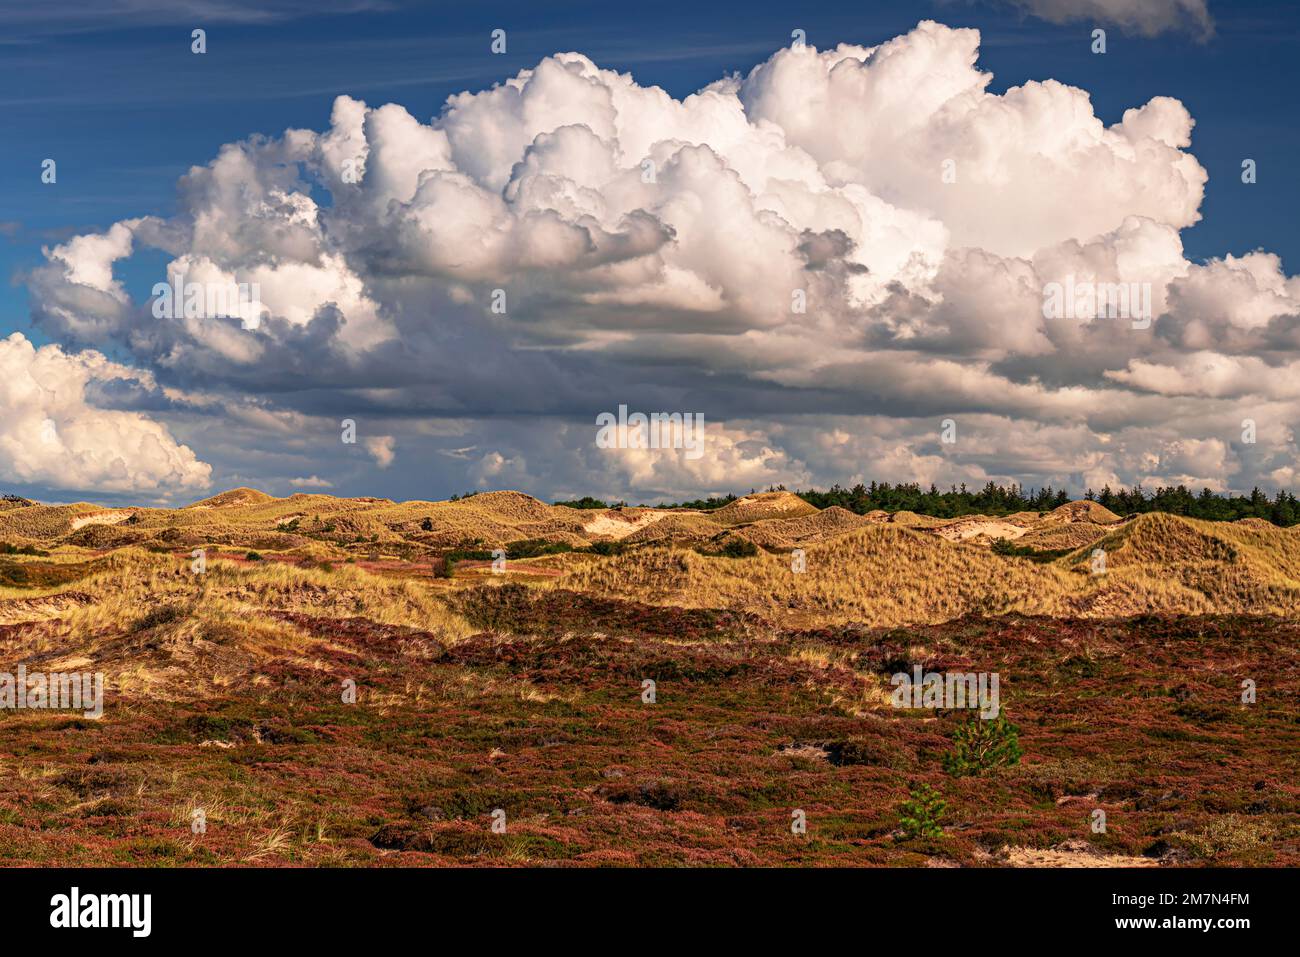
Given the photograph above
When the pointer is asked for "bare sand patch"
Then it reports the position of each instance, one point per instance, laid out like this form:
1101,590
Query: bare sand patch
1070,854
964,528
102,518
618,526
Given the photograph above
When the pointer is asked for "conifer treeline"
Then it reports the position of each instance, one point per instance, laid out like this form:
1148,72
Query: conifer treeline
998,500
1283,509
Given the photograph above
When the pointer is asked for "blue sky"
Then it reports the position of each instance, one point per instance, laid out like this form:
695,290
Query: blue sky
113,94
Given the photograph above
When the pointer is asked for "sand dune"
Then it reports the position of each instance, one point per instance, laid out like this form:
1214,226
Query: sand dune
904,568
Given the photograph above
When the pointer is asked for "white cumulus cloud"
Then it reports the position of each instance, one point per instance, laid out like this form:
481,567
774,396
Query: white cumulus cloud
51,433
862,233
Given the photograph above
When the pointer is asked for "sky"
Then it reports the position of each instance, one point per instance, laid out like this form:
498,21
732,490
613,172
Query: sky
840,254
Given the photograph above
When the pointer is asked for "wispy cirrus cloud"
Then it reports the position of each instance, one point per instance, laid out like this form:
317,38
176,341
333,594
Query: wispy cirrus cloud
22,23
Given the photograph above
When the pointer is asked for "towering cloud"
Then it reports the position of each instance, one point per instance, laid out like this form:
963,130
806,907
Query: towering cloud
858,235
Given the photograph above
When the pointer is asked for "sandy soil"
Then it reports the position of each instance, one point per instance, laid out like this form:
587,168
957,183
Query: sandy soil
101,518
963,529
1071,854
621,527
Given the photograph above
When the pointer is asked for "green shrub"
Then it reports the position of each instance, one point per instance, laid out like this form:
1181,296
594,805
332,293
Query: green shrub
739,548
532,547
470,555
607,548
980,746
1003,546
161,615
495,607
920,815
13,575
7,548
732,548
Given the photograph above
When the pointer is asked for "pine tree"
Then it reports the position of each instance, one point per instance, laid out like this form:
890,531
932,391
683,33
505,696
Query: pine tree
920,816
981,746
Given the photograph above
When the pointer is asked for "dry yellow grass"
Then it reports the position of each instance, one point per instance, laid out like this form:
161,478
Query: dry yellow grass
880,575
1081,511
39,522
155,627
233,498
761,506
140,579
913,520
792,532
1056,537
889,575
1163,562
859,569
678,526
236,516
